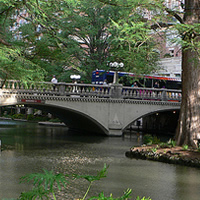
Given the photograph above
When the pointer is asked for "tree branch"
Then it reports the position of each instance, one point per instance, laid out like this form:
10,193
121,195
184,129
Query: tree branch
173,13
4,42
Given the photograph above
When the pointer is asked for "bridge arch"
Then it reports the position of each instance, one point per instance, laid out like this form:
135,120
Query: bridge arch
162,113
73,118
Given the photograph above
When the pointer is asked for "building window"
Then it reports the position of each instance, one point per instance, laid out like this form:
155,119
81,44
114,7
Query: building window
171,52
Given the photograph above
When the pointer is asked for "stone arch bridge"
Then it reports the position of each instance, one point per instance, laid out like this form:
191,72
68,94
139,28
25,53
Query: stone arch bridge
106,109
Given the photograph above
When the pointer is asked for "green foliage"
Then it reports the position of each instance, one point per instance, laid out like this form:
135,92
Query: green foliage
101,174
30,117
154,149
185,147
156,140
47,183
143,198
172,143
164,145
101,196
43,184
133,44
60,39
19,116
91,179
55,120
35,193
169,144
148,139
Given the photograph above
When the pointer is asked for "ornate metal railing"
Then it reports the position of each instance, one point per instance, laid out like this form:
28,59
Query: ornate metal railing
89,90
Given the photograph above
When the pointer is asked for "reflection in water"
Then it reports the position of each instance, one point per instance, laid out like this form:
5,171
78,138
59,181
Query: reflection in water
33,148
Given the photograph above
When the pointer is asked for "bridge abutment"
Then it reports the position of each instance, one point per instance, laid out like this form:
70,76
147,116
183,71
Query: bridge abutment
115,132
115,129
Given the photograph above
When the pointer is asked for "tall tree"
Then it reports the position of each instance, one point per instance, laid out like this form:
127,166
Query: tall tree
66,37
189,122
13,61
187,23
95,40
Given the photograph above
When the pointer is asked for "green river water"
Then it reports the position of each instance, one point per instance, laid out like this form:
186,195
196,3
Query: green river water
33,147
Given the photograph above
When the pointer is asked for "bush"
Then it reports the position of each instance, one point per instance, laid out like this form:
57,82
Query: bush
19,116
185,147
147,139
55,120
30,117
172,143
156,140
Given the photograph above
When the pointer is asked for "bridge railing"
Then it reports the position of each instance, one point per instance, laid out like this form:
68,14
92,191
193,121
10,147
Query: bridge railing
151,94
89,90
48,88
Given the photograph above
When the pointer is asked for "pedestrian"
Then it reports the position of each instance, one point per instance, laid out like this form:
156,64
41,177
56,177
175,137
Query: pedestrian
156,85
135,84
54,81
105,82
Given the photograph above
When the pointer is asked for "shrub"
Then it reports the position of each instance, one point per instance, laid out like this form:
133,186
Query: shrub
147,139
30,117
172,143
185,147
19,116
55,120
156,140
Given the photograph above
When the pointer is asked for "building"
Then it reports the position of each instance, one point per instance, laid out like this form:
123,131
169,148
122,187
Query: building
170,67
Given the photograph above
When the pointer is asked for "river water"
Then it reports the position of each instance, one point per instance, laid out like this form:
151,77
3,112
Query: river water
32,147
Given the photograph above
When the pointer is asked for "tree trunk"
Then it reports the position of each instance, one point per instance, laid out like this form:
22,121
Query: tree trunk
188,130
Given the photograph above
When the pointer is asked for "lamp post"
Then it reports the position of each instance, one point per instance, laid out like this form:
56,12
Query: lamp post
75,78
116,66
116,88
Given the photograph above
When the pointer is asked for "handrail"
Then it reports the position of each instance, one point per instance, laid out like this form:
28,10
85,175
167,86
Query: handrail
90,90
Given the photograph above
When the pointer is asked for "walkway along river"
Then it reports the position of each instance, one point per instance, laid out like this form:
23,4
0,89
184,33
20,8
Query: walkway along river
33,147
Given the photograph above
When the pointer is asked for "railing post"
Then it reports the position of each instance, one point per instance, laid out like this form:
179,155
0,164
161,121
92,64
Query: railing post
116,91
61,88
164,95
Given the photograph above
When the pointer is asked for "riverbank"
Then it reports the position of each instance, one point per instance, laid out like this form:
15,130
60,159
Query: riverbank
171,155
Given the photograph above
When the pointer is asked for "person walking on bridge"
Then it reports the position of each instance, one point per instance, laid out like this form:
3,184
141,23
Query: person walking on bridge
54,81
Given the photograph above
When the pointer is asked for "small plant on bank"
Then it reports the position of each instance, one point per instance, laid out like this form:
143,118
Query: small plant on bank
185,147
47,184
164,145
148,139
154,149
156,140
172,143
